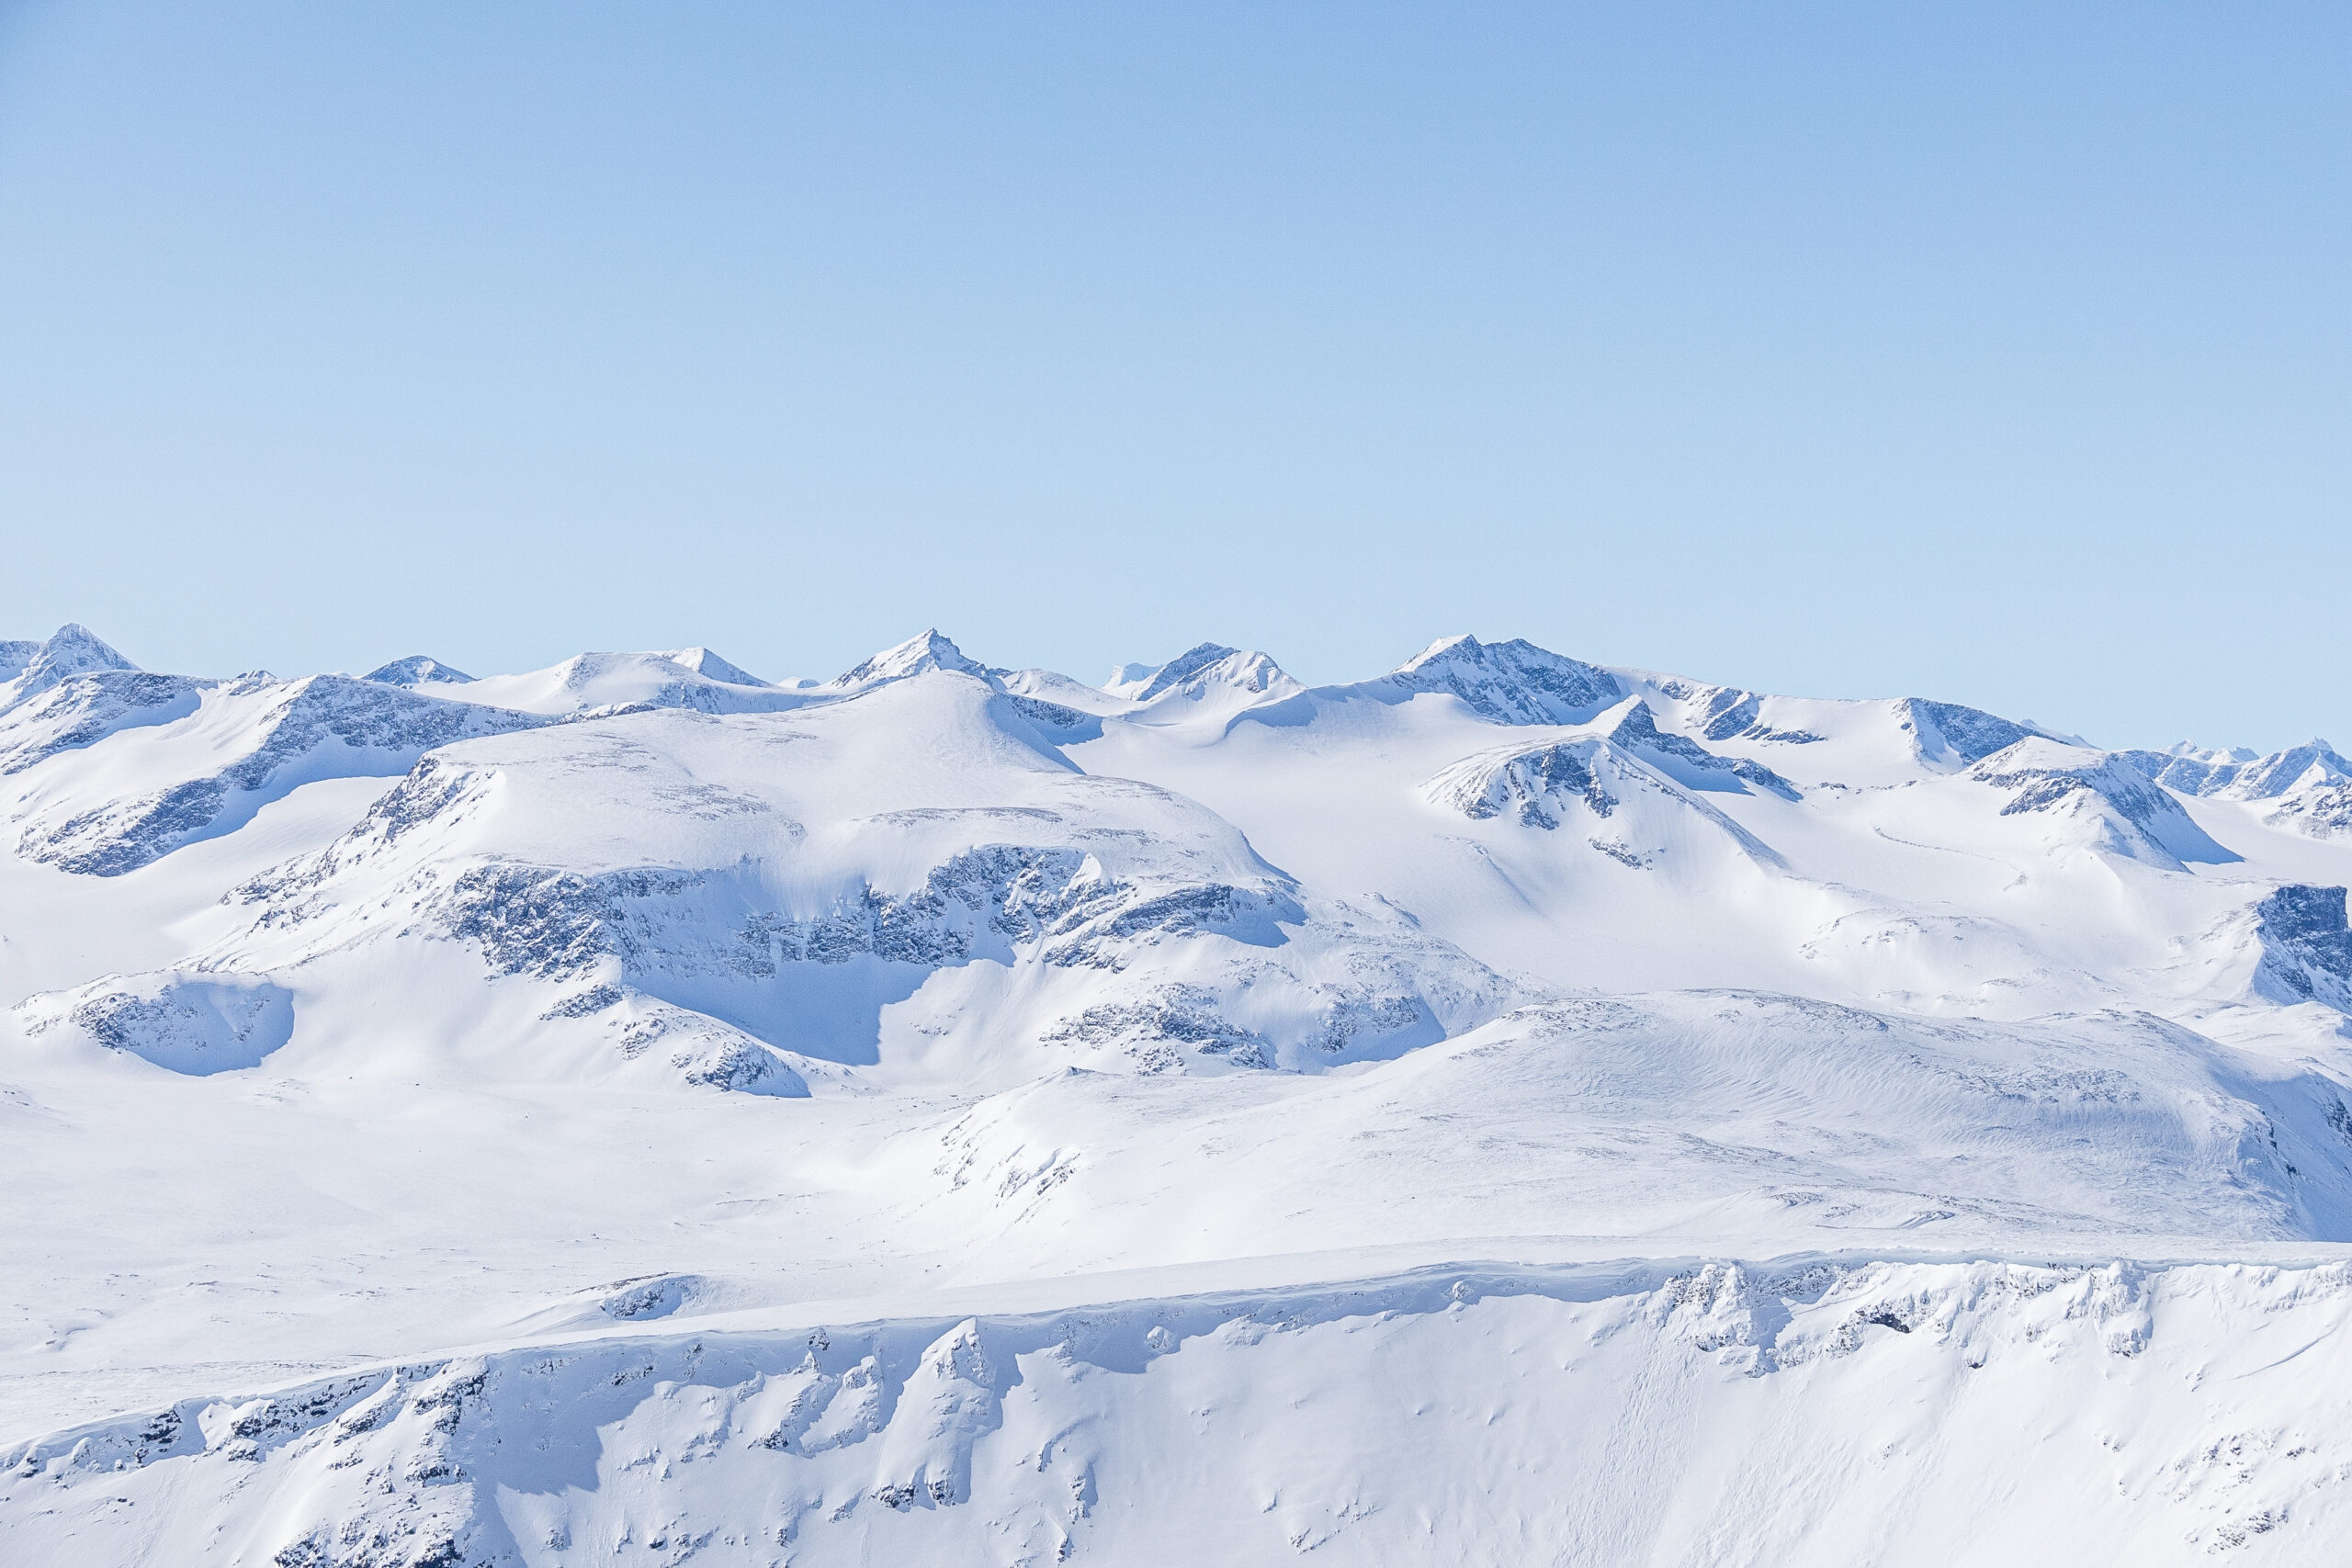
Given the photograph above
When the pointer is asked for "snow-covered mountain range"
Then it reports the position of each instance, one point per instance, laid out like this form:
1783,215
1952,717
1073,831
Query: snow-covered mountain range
1505,1110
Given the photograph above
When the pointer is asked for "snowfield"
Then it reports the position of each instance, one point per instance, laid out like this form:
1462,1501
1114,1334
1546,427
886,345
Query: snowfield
1508,1110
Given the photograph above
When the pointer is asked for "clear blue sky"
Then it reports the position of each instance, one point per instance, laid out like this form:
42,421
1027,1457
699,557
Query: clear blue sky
1996,352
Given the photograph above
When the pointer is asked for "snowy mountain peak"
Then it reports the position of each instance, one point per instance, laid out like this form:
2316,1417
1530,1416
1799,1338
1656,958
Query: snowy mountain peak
416,670
1141,683
2241,775
2105,796
702,661
1200,670
2195,753
1511,683
72,649
916,655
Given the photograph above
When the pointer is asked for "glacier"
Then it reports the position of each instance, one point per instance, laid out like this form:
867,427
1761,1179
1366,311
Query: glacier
1507,1109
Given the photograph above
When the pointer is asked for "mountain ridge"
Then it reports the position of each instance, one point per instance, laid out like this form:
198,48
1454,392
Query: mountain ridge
388,1044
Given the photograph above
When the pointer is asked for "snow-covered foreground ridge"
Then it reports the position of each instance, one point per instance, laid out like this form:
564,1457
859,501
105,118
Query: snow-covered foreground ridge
347,1019
1817,1410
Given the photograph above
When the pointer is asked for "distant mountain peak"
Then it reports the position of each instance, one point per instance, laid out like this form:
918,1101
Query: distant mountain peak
703,661
416,670
1233,666
1511,683
916,655
2240,773
72,649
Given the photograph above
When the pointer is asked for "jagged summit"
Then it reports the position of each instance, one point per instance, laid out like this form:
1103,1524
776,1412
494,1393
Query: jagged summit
2242,775
72,649
916,655
416,670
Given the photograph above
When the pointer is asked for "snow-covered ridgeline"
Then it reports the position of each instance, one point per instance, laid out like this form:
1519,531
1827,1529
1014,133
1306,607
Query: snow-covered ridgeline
1822,1409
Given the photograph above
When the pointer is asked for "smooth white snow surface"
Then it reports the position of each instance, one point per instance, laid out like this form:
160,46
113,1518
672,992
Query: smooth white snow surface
1507,1109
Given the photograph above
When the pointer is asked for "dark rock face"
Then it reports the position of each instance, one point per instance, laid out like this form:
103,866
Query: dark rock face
1726,714
556,924
1638,732
1532,783
1062,725
1972,733
121,842
1158,1031
2307,945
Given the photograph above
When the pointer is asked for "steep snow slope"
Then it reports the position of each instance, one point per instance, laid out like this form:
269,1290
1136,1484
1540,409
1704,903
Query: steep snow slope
1818,1411
188,761
348,1020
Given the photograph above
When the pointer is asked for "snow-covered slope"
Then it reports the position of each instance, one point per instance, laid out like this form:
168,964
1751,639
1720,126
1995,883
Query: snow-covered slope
978,1079
1821,1411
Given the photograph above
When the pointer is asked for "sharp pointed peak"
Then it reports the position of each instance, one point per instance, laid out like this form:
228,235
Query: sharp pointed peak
926,651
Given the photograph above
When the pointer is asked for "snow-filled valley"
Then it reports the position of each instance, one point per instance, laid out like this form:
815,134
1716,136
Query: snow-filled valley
1507,1109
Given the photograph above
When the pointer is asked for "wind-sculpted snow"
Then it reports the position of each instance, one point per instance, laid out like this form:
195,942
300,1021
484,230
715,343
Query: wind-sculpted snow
274,734
1789,1120
1596,1416
194,1023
